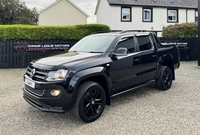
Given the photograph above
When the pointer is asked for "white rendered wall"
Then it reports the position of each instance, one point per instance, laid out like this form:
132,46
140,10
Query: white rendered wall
191,15
111,16
60,14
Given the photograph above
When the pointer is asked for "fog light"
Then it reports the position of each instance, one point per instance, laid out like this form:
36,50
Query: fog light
55,93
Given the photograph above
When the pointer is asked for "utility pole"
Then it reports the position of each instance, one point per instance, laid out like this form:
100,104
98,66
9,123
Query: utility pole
198,32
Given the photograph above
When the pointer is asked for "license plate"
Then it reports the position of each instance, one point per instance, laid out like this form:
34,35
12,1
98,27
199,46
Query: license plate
30,83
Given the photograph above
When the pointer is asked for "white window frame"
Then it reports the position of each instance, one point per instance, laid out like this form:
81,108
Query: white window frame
147,15
174,18
126,11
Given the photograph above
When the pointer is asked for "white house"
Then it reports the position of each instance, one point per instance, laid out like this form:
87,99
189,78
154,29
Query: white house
62,12
145,14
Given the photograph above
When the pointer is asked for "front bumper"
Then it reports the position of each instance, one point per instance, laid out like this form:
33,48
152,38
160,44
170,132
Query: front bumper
42,106
41,98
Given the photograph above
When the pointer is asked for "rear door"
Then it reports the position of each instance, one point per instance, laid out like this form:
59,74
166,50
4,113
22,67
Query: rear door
148,57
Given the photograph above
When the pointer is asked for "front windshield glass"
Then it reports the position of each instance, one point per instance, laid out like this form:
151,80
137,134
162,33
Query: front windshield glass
93,44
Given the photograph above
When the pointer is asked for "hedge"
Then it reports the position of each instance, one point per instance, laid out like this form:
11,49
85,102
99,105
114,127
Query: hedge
31,32
181,30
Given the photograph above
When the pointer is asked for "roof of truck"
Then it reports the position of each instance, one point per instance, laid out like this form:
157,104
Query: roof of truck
126,32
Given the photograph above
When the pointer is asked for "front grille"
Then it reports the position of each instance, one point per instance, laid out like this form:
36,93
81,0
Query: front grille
37,74
37,92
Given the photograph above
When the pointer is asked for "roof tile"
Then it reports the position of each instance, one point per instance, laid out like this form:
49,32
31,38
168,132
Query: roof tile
157,3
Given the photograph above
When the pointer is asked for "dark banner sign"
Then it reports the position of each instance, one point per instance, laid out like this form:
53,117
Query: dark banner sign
179,44
39,48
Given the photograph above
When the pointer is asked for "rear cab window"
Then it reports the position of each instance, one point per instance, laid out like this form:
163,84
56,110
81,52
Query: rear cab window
145,43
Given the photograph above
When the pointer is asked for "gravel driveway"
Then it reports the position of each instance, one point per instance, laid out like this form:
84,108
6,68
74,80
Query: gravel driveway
145,111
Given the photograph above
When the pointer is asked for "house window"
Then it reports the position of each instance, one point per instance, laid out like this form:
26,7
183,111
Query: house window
126,14
172,15
147,15
196,16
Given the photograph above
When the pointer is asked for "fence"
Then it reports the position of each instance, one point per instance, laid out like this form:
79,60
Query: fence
17,54
188,47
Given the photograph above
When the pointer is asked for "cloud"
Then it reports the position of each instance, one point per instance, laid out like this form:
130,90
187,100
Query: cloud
87,6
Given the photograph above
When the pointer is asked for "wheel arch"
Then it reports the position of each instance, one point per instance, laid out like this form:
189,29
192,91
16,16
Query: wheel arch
101,79
97,74
166,60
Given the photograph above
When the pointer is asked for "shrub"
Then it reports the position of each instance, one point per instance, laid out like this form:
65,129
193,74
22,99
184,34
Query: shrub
31,32
181,30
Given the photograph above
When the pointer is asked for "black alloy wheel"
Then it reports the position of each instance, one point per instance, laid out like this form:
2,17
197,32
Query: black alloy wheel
164,81
90,101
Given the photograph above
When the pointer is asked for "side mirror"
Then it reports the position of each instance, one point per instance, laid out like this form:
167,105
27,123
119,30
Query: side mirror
121,51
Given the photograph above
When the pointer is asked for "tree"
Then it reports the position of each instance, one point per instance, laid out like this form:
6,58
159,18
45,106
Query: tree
16,12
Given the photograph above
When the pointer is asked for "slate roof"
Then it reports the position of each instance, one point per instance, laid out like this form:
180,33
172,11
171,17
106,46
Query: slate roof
157,3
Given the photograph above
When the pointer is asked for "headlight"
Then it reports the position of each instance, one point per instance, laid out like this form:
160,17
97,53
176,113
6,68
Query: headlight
56,75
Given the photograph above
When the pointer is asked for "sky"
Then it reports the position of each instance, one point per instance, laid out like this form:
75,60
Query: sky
88,6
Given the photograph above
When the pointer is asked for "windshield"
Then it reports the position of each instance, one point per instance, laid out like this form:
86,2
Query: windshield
93,44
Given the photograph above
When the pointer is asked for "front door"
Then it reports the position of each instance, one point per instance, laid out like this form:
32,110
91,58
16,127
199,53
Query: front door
124,69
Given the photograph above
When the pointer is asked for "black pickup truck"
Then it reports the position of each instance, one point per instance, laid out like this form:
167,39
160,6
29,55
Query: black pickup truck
98,67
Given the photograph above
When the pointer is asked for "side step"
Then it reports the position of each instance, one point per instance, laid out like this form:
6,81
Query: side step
147,83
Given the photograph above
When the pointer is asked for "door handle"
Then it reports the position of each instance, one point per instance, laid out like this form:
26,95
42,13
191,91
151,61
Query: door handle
153,56
136,60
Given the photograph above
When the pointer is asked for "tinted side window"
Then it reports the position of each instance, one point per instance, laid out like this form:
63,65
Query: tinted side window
152,40
128,43
144,43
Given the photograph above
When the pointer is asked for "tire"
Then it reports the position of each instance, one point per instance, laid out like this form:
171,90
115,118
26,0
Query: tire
164,81
90,102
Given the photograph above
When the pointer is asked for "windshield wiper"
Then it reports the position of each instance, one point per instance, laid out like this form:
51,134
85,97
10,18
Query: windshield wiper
94,52
72,51
85,51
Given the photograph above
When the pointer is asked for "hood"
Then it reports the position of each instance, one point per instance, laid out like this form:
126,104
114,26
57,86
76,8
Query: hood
66,59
